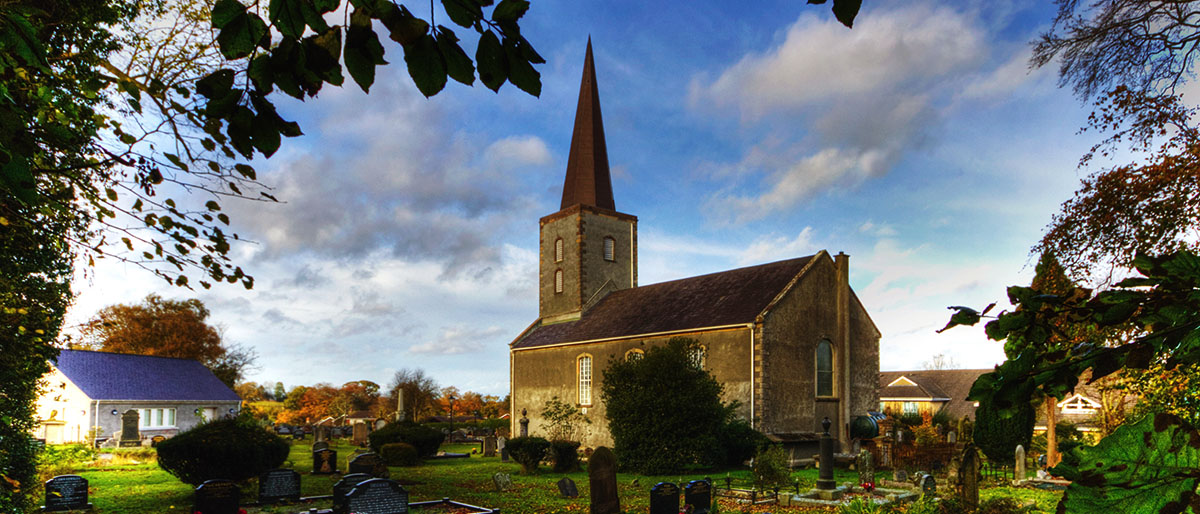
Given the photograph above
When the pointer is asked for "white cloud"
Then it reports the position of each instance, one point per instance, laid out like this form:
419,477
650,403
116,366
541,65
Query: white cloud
517,151
769,249
460,340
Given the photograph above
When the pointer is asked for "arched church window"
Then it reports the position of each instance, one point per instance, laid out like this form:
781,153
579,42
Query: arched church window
824,368
634,354
558,281
558,250
696,355
583,368
610,251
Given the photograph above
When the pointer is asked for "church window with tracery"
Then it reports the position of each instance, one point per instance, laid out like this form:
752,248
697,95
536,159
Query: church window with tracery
825,368
584,372
610,251
558,281
696,356
635,354
558,250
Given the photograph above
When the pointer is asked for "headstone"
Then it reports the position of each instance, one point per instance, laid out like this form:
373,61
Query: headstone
320,445
664,498
298,435
697,497
928,485
380,423
377,496
283,430
602,480
489,446
567,488
503,481
361,431
866,470
900,475
1019,456
342,487
216,497
369,463
130,437
324,462
278,484
952,437
968,476
66,492
320,433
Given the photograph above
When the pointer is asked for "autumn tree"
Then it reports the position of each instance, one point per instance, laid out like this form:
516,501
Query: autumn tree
249,392
310,405
420,392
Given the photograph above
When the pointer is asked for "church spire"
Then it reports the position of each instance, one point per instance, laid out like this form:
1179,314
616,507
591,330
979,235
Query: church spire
588,180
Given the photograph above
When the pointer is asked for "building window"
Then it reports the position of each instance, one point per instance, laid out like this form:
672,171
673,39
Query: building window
558,250
909,408
584,371
634,354
1079,405
558,281
696,355
825,368
610,249
156,418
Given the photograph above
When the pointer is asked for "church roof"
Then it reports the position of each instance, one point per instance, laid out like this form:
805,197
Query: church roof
588,180
718,299
119,376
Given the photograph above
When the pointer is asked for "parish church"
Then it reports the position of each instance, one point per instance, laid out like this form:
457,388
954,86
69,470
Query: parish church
789,340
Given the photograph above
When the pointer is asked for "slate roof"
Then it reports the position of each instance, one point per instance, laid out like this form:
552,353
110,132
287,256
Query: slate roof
588,181
954,384
117,376
725,298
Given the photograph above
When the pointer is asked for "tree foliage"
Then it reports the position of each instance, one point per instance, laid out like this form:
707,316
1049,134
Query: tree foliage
566,422
420,392
997,435
234,449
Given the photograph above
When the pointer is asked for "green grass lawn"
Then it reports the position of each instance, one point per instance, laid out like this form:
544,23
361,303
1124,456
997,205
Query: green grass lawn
146,488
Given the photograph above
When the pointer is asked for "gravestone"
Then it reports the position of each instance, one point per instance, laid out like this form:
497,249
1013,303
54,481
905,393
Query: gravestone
697,496
156,439
342,487
502,447
298,435
503,481
866,470
900,475
524,424
380,423
320,445
968,476
369,463
283,430
602,480
66,492
1019,456
664,498
324,462
216,497
377,496
567,488
130,437
489,446
360,433
928,485
278,484
952,437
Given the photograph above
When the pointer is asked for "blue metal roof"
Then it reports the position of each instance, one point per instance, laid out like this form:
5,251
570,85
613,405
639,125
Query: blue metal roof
118,376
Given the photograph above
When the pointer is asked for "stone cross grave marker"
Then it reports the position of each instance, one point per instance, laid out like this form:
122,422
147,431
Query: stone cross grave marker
697,496
602,482
342,487
324,462
216,497
320,445
360,433
567,488
278,484
866,470
503,481
664,498
130,437
1019,456
377,496
369,463
489,446
66,492
968,477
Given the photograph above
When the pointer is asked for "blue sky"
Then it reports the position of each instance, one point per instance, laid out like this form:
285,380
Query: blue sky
919,143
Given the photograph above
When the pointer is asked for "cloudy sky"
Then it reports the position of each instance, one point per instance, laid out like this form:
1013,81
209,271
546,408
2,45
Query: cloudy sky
919,143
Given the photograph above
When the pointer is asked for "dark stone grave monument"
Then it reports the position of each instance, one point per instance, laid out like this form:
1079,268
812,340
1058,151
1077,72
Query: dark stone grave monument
503,481
298,435
489,446
342,487
968,477
664,498
900,475
216,497
130,437
377,496
602,482
928,485
866,470
524,423
567,488
697,497
360,431
324,462
66,492
369,463
320,445
278,484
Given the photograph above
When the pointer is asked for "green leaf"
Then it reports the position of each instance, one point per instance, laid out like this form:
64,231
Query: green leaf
241,34
265,134
464,13
322,54
489,57
288,17
425,65
510,10
246,170
224,12
1150,466
212,205
458,64
363,51
846,10
520,72
403,27
962,316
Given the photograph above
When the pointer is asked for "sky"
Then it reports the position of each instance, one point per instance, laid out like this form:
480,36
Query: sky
918,142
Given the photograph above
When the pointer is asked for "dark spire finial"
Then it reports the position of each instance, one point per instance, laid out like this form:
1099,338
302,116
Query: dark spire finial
588,180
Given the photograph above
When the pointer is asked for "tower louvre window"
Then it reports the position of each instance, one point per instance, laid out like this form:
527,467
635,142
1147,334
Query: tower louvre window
558,281
610,249
558,250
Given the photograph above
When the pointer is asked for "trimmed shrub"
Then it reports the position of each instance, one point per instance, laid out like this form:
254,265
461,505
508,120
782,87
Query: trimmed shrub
740,441
771,467
233,449
565,455
425,439
399,454
528,452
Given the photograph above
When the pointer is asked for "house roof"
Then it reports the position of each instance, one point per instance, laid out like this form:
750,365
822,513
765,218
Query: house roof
118,376
718,299
951,384
360,414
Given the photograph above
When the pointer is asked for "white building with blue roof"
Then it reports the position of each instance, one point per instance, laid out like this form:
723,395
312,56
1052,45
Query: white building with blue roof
86,389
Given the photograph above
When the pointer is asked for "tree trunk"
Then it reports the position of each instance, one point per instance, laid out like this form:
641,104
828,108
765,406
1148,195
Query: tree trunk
1052,456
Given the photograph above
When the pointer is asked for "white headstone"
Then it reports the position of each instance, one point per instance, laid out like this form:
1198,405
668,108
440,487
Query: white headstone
1019,456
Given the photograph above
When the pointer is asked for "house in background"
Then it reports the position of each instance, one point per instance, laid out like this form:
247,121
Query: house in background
86,389
1083,407
932,391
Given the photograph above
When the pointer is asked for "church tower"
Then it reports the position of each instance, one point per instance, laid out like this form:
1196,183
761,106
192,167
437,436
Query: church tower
588,249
